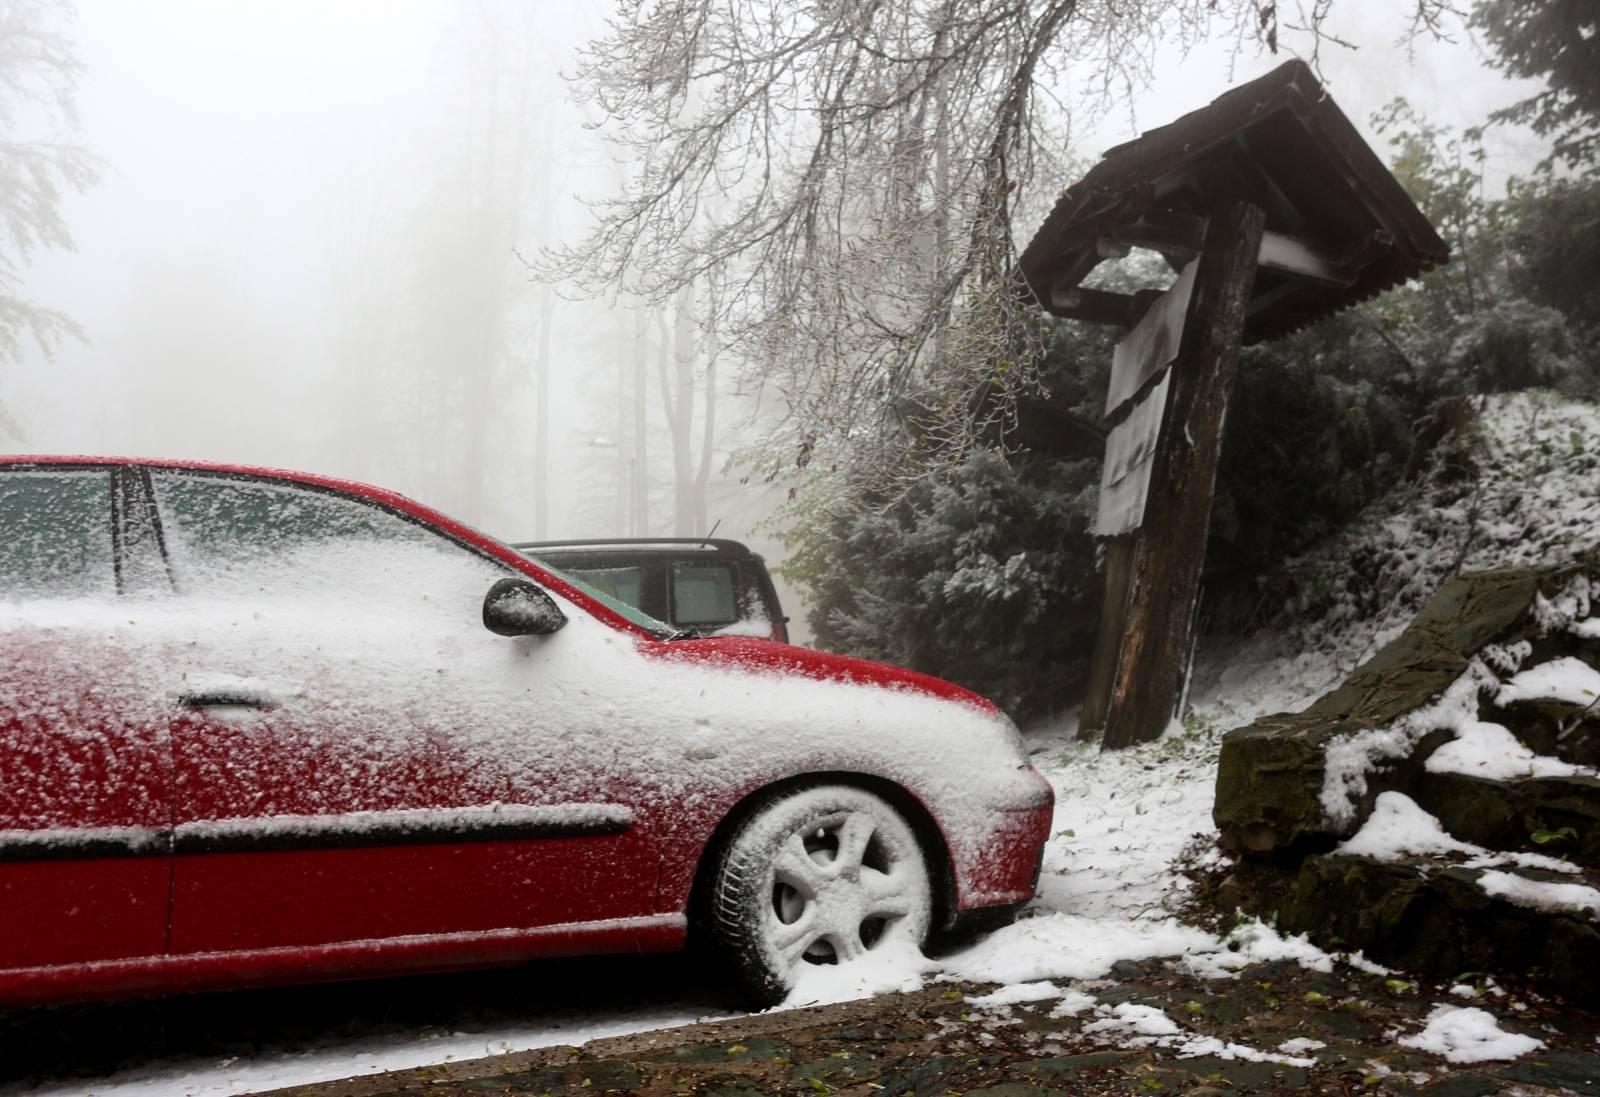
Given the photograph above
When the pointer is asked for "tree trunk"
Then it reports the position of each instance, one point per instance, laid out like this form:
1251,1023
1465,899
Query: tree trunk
639,452
682,412
1177,514
708,430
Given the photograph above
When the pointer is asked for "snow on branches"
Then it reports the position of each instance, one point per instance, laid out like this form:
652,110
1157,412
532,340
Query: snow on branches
842,182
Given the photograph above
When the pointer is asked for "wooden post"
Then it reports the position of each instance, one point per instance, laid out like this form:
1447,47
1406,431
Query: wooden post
1120,553
1177,518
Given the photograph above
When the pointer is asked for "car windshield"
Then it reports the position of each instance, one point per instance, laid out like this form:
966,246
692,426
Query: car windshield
611,602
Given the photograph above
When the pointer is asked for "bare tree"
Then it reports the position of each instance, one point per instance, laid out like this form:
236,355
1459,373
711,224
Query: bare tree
682,386
865,159
39,164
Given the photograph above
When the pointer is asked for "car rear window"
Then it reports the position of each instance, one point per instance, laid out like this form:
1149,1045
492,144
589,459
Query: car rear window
703,595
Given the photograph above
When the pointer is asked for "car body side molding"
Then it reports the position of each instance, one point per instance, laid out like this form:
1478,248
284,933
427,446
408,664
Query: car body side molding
180,973
351,830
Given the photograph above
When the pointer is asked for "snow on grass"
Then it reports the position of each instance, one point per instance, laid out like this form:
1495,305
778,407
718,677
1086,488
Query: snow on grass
1466,1034
1541,894
1398,828
1533,502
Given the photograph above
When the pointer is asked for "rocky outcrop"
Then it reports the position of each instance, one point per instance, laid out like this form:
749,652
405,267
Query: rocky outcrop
1272,774
1483,716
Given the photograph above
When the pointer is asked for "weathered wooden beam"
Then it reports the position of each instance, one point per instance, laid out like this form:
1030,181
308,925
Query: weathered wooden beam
1305,260
1094,306
1169,233
1177,519
1179,234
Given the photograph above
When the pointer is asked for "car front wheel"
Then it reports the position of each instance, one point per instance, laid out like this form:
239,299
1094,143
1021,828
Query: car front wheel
820,875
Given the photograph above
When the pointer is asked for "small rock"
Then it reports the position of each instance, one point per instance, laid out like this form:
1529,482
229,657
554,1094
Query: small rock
1127,969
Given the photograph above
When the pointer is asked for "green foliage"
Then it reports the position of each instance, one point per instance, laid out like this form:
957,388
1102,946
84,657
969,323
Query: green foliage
1563,836
1552,238
1557,41
40,165
1319,425
978,577
1511,309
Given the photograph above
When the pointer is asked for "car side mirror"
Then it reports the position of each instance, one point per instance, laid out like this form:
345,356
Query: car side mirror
516,607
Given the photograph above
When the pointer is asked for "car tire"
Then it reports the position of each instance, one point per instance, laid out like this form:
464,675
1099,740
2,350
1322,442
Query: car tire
815,875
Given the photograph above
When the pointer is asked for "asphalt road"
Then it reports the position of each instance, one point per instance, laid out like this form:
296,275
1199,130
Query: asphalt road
62,1048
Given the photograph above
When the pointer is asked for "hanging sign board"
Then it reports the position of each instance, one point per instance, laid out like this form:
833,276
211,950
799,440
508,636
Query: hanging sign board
1144,354
1125,479
1153,343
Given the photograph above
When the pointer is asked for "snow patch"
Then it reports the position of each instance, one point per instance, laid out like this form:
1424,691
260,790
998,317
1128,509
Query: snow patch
1486,750
1256,942
1132,1025
1067,946
894,967
1541,894
1018,993
1466,1034
1398,828
1566,679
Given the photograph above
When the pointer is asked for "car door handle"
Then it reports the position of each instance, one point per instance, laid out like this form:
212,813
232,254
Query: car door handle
222,698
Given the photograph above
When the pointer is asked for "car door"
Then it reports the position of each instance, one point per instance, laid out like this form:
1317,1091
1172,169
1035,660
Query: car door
358,758
85,805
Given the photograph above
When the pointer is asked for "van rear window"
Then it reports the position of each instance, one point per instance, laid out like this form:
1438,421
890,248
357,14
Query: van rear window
703,595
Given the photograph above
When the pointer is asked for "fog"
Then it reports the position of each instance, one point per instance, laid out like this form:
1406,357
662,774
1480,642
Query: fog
302,251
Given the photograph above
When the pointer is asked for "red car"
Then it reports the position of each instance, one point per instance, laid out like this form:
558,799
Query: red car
264,727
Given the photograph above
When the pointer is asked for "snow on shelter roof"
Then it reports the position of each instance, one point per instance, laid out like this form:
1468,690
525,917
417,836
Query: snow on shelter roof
1279,141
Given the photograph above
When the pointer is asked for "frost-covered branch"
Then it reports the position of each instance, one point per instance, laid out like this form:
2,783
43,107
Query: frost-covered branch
38,76
867,161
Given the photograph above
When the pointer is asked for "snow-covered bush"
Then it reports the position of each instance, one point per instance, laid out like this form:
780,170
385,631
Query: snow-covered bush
985,577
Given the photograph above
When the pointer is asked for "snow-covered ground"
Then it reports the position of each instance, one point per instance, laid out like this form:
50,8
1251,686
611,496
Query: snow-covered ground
1122,819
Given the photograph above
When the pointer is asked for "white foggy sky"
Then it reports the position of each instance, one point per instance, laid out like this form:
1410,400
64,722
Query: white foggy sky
243,138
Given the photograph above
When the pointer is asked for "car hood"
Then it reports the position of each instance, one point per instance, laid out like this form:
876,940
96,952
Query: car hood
750,653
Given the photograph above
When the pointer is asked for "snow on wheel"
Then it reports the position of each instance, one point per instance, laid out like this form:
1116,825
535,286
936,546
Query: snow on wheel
820,875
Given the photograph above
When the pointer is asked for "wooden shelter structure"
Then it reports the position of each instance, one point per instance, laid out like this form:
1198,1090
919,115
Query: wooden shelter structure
1276,213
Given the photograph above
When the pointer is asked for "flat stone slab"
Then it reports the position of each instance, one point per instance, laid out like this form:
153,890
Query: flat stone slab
1432,916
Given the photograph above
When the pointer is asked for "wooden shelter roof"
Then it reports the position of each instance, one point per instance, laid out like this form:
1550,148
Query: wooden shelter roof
1340,228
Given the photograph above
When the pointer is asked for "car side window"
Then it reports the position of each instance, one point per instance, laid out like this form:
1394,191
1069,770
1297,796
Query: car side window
55,534
239,536
623,584
703,594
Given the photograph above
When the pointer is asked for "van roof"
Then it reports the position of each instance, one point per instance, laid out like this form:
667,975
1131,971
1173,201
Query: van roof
663,545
